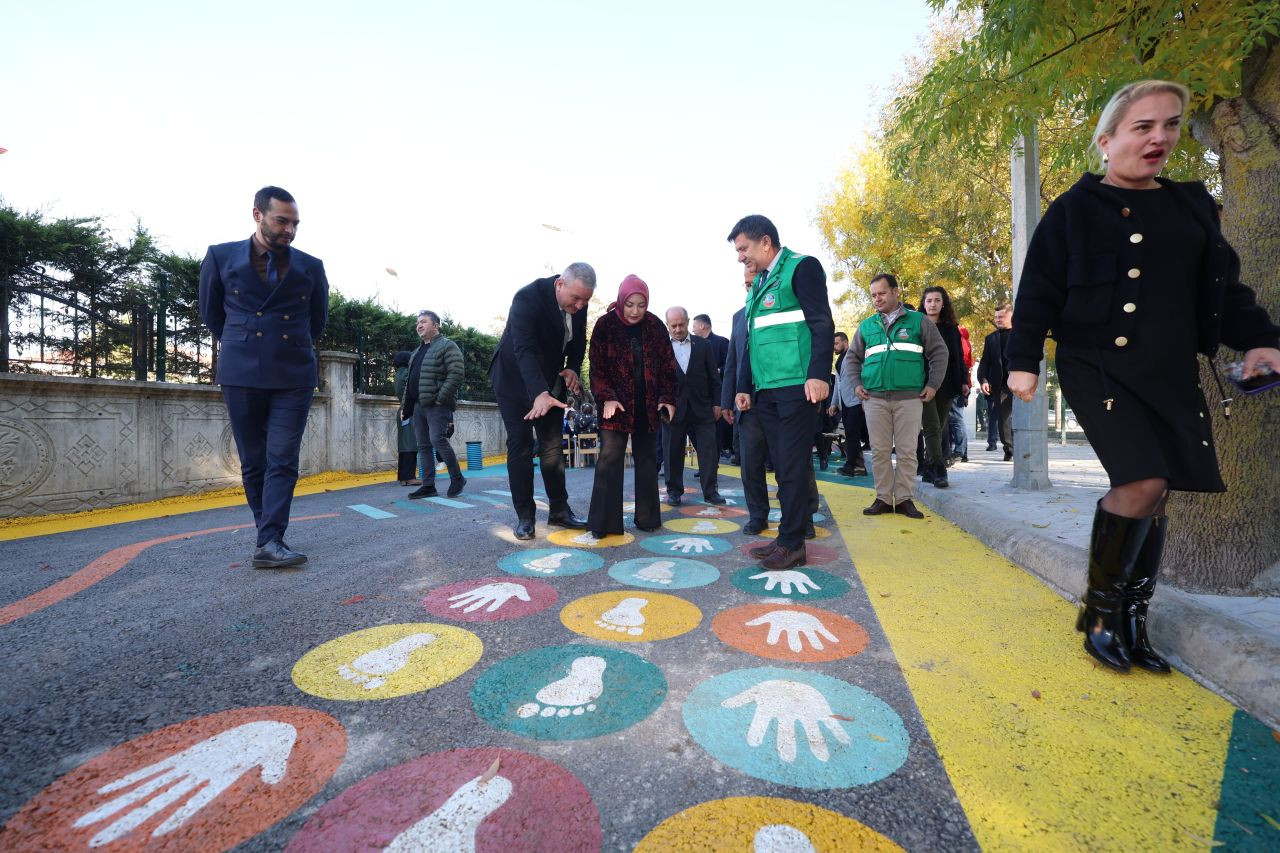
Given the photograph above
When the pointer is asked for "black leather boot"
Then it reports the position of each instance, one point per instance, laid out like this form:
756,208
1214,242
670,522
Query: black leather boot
1113,549
1138,595
940,480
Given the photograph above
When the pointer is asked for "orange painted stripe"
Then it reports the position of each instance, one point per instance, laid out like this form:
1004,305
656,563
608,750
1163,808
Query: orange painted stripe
105,566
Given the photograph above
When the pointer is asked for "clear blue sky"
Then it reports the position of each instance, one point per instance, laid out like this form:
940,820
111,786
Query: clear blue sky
439,138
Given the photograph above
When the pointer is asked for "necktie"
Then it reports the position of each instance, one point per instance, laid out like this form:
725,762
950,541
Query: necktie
273,275
568,329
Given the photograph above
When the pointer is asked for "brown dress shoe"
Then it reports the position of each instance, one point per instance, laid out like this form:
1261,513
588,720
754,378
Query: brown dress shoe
877,508
763,550
783,559
908,509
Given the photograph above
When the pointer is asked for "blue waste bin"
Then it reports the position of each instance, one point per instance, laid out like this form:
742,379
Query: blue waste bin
475,455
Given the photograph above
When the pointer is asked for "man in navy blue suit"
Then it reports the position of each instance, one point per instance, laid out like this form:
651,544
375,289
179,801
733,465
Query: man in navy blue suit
265,303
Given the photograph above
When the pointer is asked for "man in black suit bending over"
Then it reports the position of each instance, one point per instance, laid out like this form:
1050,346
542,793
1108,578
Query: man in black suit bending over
537,361
697,409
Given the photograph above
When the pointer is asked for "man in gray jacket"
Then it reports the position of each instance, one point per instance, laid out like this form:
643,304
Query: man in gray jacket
847,405
431,394
896,362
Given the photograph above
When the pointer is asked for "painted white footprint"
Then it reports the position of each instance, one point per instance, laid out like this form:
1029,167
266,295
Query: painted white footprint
587,538
453,826
625,617
780,838
372,668
658,572
550,563
574,694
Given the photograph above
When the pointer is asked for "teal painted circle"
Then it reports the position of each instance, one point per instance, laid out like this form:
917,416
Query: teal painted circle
799,584
775,515
568,692
798,728
550,562
664,573
686,545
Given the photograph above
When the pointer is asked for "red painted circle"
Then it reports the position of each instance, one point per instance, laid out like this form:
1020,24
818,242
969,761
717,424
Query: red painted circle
547,808
699,511
815,555
246,806
469,600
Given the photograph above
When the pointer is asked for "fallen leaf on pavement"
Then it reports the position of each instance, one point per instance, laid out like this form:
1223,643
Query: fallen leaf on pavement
355,599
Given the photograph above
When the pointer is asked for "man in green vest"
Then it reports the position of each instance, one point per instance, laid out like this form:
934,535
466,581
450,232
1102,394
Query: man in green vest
895,364
785,372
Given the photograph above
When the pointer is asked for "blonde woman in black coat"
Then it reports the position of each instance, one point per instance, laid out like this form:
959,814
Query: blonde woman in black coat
1133,275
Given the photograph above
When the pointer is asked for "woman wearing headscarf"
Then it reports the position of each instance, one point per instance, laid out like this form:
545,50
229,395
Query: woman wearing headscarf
1133,275
633,379
406,440
936,412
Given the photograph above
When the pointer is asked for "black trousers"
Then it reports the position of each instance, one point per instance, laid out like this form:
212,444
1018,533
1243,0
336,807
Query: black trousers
548,430
407,465
1004,409
605,515
855,426
268,426
752,452
703,435
789,422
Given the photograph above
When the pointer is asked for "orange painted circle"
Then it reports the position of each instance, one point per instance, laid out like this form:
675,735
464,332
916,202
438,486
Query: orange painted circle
287,755
796,632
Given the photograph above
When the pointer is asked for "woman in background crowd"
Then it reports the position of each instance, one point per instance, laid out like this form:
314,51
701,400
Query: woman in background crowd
934,417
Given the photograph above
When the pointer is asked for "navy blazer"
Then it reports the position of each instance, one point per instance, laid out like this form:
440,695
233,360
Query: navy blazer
720,346
265,334
532,350
700,386
737,367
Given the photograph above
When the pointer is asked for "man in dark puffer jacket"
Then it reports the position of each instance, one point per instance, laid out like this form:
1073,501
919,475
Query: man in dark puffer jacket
435,375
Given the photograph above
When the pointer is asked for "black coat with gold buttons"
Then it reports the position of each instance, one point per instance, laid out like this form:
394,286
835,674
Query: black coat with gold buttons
1081,282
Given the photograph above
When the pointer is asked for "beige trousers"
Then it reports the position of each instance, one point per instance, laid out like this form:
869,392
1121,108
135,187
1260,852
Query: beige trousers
890,424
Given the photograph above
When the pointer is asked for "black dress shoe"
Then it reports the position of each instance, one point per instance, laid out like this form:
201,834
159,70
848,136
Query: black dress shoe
697,475
646,529
845,471
567,519
456,486
752,528
908,509
426,490
524,528
673,499
878,508
714,499
276,555
1008,456
859,472
822,464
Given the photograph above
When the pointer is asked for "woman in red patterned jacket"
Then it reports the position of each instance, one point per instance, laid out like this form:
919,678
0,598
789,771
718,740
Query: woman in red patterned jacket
633,378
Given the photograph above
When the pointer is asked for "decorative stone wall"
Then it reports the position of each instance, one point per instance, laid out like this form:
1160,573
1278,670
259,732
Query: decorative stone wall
69,444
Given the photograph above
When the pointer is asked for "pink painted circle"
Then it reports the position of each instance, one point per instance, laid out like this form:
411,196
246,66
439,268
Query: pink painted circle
448,799
815,555
490,599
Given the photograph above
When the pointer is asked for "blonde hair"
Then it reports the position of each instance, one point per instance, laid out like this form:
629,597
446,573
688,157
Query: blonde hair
1120,103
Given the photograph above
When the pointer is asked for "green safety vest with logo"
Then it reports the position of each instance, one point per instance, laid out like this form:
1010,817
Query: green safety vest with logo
779,341
894,360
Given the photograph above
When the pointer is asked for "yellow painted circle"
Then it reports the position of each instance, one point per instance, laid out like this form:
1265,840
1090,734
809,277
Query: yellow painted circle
819,532
761,823
685,524
570,538
387,661
630,616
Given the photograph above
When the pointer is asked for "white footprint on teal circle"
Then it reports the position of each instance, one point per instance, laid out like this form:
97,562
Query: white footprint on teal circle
575,694
550,563
453,826
371,669
624,617
659,571
780,838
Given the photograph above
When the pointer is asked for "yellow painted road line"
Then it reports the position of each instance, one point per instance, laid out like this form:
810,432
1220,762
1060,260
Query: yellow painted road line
45,525
1046,750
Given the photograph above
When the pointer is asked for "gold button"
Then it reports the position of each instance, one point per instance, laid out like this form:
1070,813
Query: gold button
259,334
286,337
1124,211
1135,238
1122,341
259,313
1135,272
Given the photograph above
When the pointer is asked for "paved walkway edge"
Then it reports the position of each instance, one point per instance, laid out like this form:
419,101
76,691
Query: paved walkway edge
1222,653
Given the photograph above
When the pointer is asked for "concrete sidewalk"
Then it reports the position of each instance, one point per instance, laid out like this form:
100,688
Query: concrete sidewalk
1228,643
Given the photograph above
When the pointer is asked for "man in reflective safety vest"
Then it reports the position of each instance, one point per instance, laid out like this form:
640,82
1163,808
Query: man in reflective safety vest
895,363
788,364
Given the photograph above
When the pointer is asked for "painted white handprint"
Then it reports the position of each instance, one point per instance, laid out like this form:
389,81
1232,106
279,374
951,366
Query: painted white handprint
703,527
453,826
550,562
208,768
493,594
625,617
796,624
685,544
802,582
372,668
574,694
657,572
780,838
789,702
711,512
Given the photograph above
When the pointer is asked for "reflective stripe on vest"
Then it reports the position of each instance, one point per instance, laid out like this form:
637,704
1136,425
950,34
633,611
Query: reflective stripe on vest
879,348
796,316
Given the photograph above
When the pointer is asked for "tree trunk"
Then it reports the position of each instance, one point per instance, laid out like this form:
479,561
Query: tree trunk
1231,543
